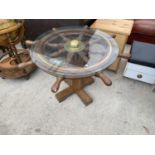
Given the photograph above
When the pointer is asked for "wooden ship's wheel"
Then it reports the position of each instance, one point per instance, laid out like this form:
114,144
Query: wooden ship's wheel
74,55
14,63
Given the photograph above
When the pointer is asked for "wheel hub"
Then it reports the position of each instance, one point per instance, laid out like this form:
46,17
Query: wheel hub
74,46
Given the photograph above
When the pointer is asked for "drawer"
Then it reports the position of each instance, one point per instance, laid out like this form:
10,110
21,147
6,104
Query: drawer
140,73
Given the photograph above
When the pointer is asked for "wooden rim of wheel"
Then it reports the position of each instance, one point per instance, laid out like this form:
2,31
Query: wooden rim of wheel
42,62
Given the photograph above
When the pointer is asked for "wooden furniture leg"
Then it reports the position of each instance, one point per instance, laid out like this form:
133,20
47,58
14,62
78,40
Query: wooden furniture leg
62,95
84,96
76,86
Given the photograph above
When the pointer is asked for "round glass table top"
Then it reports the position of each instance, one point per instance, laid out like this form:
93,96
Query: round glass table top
74,52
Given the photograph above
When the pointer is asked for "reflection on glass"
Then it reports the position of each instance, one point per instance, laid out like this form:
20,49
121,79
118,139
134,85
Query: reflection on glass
73,48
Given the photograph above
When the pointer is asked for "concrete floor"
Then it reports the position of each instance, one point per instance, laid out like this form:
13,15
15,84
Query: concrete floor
28,107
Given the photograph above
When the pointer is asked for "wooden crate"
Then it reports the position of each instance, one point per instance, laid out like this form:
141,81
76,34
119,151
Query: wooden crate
121,28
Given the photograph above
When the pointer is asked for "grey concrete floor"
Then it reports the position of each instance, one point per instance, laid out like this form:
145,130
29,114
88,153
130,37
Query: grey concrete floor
29,107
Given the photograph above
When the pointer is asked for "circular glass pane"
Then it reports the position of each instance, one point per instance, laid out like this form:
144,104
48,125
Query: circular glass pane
74,52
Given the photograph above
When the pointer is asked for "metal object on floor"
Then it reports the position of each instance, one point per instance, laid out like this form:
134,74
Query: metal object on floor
74,55
14,63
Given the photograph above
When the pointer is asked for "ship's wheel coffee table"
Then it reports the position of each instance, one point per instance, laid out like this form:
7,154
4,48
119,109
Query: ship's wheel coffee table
74,55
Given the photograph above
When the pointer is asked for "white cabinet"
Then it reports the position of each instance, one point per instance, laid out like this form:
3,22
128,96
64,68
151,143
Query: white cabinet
140,73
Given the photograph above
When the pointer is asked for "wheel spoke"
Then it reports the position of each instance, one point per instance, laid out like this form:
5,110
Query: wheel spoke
85,58
82,33
61,35
55,44
69,57
86,43
93,41
86,49
64,37
57,53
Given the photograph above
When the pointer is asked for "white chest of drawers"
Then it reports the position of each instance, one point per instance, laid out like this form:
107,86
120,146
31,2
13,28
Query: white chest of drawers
140,73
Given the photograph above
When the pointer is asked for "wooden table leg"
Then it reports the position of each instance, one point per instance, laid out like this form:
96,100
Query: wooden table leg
84,96
62,95
75,86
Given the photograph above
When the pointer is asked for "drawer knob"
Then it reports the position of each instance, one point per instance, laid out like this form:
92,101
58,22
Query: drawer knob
139,76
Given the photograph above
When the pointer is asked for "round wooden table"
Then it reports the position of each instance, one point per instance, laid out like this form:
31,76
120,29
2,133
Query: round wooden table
74,55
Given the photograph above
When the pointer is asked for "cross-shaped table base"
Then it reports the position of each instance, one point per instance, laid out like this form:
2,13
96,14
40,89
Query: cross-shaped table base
76,86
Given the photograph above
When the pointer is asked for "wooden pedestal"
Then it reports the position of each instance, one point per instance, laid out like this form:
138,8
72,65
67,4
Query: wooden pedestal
76,86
